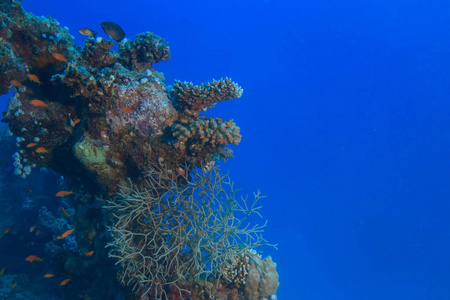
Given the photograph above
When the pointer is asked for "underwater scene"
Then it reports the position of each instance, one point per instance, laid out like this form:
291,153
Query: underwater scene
235,150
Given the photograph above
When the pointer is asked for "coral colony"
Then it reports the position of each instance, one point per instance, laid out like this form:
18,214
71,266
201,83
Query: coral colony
151,216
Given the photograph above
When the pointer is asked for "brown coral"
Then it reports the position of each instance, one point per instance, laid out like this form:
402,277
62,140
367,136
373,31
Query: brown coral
146,49
192,99
204,135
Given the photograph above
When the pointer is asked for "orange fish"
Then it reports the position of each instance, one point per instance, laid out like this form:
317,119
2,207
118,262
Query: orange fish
42,150
16,83
95,151
63,193
14,285
127,109
37,232
65,234
64,282
64,212
34,78
87,32
33,258
32,228
39,103
59,57
76,121
29,191
48,275
31,145
1,272
6,230
89,253
53,250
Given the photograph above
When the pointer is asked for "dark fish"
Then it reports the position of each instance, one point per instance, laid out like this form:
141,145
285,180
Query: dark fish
87,32
113,30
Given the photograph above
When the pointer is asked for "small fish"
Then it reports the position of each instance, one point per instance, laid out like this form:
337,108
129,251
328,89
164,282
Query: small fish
6,230
2,271
76,121
37,232
32,228
34,78
42,150
113,30
48,275
33,258
87,32
53,250
39,103
63,193
29,191
14,285
30,145
89,253
95,151
127,109
59,57
64,212
65,234
64,282
16,83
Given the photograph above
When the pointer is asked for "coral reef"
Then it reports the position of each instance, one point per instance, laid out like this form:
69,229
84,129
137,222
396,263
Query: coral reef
108,124
166,235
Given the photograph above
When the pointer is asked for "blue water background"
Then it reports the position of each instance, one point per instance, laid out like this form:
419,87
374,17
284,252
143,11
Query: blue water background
345,120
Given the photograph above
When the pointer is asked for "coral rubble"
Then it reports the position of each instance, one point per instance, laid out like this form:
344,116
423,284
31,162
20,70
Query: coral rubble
104,119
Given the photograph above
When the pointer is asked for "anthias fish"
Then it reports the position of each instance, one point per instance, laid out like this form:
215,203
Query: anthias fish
34,78
59,57
87,32
63,193
65,234
113,30
64,282
16,83
39,103
42,150
48,275
33,258
89,253
64,212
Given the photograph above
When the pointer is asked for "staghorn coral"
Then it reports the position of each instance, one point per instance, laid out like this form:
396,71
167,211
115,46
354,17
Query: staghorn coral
192,99
170,233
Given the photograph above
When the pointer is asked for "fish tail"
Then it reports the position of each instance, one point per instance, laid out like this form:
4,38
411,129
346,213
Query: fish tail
95,34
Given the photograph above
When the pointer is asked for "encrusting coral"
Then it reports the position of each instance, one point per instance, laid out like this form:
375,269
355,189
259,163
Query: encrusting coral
107,121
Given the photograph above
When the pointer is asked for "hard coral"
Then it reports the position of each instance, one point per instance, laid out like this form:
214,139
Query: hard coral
192,99
201,136
147,49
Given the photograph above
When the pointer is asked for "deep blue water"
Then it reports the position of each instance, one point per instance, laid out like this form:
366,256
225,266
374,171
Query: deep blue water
345,120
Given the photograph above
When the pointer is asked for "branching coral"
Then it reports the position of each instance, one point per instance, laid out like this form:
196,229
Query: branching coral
172,232
205,135
192,99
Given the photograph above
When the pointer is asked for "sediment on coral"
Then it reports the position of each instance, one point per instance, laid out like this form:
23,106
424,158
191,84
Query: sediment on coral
172,232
